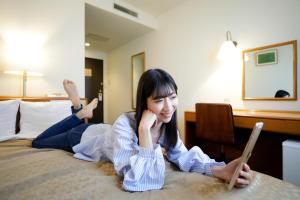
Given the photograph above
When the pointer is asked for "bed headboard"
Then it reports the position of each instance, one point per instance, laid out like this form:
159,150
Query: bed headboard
84,101
37,99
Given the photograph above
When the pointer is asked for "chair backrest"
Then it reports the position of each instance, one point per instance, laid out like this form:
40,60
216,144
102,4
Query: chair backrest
214,122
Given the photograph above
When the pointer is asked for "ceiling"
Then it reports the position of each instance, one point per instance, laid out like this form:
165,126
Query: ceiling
106,31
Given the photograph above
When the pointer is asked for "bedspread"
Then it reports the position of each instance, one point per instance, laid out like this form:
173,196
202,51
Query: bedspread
28,173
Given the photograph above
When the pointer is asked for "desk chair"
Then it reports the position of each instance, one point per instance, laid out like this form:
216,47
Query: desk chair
214,123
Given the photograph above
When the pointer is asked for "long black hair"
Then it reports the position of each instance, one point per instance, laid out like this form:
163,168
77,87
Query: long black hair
156,83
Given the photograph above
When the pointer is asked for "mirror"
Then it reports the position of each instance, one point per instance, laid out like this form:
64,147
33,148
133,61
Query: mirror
270,72
138,68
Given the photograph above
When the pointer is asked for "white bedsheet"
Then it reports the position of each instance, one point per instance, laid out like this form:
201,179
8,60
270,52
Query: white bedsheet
19,136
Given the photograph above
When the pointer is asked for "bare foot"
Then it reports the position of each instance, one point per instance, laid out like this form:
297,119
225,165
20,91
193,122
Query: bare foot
72,92
87,111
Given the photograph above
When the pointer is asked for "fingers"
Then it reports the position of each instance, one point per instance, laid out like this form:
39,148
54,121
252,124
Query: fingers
154,124
240,182
154,117
148,119
246,167
245,177
150,114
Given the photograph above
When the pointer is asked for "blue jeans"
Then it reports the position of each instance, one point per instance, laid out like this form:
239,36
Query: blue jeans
62,135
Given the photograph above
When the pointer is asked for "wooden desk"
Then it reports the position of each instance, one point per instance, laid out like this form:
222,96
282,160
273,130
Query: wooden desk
286,122
278,126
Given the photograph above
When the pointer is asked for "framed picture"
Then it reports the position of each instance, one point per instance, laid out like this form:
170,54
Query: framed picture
268,57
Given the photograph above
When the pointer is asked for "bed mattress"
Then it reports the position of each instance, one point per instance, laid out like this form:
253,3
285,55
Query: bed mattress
28,173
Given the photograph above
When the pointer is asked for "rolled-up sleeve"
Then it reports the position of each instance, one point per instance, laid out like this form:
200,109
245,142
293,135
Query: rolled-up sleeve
193,160
143,168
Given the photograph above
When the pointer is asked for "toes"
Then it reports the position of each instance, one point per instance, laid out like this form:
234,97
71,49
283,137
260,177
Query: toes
91,106
66,82
95,101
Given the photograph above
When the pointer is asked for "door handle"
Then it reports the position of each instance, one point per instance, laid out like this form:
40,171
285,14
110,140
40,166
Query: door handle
100,95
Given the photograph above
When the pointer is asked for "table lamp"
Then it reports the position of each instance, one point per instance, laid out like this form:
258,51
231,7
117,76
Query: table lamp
25,74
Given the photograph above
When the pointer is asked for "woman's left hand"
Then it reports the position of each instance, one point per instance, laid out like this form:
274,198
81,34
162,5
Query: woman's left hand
226,172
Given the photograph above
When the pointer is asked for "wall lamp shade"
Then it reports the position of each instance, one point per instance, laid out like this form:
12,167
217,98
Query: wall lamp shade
228,49
25,74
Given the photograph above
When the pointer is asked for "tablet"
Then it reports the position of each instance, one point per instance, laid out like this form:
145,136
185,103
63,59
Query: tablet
247,152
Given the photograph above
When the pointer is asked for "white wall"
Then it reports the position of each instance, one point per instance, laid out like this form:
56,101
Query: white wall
119,82
60,24
92,53
186,45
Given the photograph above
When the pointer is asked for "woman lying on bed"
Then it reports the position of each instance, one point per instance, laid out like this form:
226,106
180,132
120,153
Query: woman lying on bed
135,140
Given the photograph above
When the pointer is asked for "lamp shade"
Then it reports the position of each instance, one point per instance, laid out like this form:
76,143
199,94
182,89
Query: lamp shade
24,75
228,51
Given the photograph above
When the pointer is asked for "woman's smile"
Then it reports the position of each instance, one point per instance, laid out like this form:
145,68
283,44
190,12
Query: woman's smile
167,114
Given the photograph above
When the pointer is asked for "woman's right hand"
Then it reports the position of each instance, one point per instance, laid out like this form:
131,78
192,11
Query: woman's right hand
148,120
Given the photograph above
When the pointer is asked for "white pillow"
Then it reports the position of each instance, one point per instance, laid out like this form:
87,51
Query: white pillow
38,116
8,116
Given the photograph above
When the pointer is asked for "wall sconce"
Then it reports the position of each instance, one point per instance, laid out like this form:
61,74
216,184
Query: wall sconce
228,49
24,74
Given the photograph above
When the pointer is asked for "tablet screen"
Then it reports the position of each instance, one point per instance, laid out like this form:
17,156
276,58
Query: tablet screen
247,152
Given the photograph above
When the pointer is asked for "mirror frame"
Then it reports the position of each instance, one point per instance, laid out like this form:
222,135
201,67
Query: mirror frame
135,80
292,98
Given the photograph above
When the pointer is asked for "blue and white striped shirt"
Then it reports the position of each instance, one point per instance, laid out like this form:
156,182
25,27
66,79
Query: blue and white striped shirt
142,168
